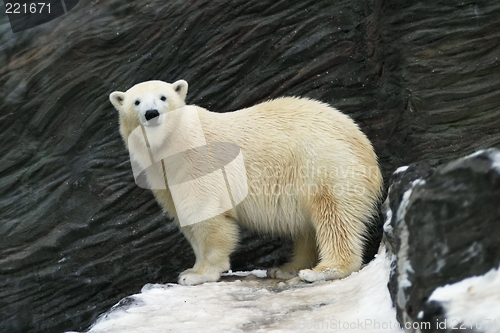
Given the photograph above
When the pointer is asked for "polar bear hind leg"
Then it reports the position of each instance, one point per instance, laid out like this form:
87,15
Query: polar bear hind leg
339,238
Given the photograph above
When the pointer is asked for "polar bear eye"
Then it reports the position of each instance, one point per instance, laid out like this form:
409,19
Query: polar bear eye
137,102
163,98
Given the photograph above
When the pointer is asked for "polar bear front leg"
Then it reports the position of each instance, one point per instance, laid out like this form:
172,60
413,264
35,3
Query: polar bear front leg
213,241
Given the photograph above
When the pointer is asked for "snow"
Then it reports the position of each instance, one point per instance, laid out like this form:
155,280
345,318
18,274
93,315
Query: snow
400,169
474,301
472,251
495,156
474,154
359,303
257,272
403,263
387,224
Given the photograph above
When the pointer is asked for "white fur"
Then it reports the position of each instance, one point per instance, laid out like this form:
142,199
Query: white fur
311,173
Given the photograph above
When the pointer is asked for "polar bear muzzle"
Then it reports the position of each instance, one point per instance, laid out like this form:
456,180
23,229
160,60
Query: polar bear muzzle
152,117
150,114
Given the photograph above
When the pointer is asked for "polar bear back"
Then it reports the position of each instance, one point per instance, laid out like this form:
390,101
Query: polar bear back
294,148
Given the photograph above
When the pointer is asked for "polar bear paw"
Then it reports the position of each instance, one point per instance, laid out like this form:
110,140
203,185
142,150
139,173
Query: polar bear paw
313,275
281,273
190,278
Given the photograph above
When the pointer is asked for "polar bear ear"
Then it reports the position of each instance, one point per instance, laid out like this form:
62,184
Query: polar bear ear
181,88
117,98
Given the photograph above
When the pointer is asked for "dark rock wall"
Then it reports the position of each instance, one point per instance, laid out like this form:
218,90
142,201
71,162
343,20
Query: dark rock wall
442,226
441,81
422,80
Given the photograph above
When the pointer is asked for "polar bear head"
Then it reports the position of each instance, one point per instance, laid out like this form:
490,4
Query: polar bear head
144,103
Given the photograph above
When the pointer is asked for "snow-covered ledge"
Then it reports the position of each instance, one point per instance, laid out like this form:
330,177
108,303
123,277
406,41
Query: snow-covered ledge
244,302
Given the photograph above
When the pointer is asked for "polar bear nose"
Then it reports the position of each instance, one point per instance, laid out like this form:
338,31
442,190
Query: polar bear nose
150,114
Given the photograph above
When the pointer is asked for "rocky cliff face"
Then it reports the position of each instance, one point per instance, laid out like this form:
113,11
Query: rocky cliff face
442,226
421,79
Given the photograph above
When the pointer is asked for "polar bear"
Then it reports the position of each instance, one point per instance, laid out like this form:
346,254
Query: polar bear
311,174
